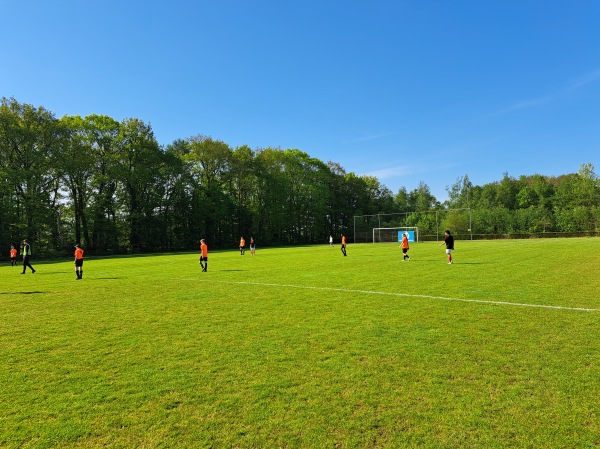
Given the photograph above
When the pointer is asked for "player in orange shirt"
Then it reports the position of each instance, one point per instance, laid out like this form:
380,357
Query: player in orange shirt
343,248
13,256
203,255
404,246
78,261
242,245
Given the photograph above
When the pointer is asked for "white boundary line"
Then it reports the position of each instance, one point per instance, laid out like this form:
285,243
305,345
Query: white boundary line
404,295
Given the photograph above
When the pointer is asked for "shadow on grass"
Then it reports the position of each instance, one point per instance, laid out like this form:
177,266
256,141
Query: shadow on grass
474,263
22,293
442,262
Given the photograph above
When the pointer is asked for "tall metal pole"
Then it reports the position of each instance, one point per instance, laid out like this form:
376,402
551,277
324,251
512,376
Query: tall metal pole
470,224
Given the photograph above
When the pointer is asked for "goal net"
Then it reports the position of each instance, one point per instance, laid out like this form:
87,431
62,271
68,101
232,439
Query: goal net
394,235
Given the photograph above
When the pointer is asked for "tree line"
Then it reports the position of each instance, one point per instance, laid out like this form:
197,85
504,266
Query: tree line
112,187
532,204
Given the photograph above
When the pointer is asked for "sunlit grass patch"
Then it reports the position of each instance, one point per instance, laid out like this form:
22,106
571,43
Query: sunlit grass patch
302,347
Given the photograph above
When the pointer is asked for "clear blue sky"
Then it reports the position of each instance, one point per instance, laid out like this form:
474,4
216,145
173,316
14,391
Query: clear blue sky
407,91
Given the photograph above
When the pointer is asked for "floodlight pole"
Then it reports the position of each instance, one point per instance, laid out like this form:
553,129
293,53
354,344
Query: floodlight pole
470,224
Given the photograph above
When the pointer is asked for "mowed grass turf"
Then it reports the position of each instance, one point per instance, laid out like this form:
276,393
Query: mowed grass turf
304,348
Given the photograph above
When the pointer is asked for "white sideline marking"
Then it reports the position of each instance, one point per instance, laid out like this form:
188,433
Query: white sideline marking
406,295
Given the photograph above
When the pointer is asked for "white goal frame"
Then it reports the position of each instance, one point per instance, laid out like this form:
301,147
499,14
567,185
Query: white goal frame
397,228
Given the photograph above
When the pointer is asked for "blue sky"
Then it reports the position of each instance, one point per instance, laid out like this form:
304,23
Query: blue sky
407,91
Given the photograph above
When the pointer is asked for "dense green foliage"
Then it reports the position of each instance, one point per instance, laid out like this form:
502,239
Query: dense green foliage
112,187
532,204
301,347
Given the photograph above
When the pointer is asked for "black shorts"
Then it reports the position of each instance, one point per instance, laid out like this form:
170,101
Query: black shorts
203,259
13,258
79,262
404,250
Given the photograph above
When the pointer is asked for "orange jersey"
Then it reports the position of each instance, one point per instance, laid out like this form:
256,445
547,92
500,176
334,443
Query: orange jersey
343,240
13,252
242,242
405,242
78,253
204,250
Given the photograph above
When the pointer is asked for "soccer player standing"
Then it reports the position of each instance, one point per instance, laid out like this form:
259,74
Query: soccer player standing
203,255
78,261
449,241
343,248
13,256
404,246
242,245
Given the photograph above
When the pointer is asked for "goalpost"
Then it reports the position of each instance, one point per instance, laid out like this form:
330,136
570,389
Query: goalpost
394,235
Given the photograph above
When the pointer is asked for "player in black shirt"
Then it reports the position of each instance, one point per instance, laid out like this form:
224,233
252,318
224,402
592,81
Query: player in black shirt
449,241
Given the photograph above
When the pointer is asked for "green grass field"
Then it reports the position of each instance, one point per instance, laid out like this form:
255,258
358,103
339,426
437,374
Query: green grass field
304,348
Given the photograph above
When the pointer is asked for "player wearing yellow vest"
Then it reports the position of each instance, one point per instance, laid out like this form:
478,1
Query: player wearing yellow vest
26,256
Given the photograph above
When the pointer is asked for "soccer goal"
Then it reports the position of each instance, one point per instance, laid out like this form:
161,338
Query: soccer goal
394,235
